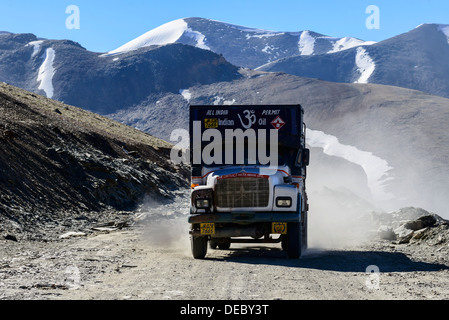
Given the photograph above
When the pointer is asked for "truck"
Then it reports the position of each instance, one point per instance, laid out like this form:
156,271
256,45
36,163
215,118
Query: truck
248,174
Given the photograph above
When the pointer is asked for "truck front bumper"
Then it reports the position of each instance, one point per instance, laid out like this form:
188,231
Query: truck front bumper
244,217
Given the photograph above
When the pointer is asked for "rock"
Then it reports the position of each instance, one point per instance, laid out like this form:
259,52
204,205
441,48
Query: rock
105,229
403,234
10,237
134,154
428,221
72,234
414,225
421,223
415,229
419,234
8,134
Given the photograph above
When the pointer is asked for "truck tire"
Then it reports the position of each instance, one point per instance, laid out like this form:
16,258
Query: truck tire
199,247
294,234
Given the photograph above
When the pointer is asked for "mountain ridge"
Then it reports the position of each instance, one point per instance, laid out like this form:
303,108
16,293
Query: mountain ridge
236,42
418,59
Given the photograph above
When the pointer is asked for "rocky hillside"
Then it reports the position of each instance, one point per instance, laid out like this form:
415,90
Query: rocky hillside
61,163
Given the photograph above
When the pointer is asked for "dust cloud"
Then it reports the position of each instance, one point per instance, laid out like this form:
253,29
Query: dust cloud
340,203
335,222
164,225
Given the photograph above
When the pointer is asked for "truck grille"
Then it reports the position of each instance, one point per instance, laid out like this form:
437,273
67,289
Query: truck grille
242,192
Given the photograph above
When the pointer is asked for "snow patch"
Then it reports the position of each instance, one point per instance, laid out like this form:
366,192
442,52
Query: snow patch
444,28
264,35
306,44
375,168
36,47
198,37
222,100
165,34
365,64
46,73
348,43
228,102
269,49
186,94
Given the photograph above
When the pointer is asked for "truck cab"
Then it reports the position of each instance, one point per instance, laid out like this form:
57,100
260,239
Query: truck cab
248,177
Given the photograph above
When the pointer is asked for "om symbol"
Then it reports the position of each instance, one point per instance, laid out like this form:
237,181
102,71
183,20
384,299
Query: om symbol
251,118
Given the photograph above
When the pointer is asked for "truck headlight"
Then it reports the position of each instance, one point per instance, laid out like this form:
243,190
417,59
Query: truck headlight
284,202
202,203
202,198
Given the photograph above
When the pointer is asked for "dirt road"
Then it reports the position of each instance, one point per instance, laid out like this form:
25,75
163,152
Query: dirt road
128,264
151,260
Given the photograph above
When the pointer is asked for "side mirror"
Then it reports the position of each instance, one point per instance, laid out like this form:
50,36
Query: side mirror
306,157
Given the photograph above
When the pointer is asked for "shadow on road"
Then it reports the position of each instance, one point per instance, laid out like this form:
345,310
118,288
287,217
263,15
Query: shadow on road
332,260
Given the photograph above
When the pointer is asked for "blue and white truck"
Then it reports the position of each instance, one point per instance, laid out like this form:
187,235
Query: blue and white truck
248,177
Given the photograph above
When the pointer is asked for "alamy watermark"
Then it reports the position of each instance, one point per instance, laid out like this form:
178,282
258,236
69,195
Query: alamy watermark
72,277
250,146
73,20
373,20
372,281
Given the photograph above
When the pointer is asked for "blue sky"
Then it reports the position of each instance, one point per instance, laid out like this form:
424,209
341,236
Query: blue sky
106,25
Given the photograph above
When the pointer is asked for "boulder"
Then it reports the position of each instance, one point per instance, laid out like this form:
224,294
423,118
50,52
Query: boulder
419,234
403,234
10,237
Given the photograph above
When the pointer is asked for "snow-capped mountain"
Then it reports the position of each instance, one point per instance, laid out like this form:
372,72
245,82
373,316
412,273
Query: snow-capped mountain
418,59
242,46
65,71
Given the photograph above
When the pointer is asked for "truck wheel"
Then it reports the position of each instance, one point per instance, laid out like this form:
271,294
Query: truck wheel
199,247
294,235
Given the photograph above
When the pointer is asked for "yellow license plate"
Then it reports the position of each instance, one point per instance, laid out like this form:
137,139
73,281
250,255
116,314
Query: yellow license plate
207,228
279,227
